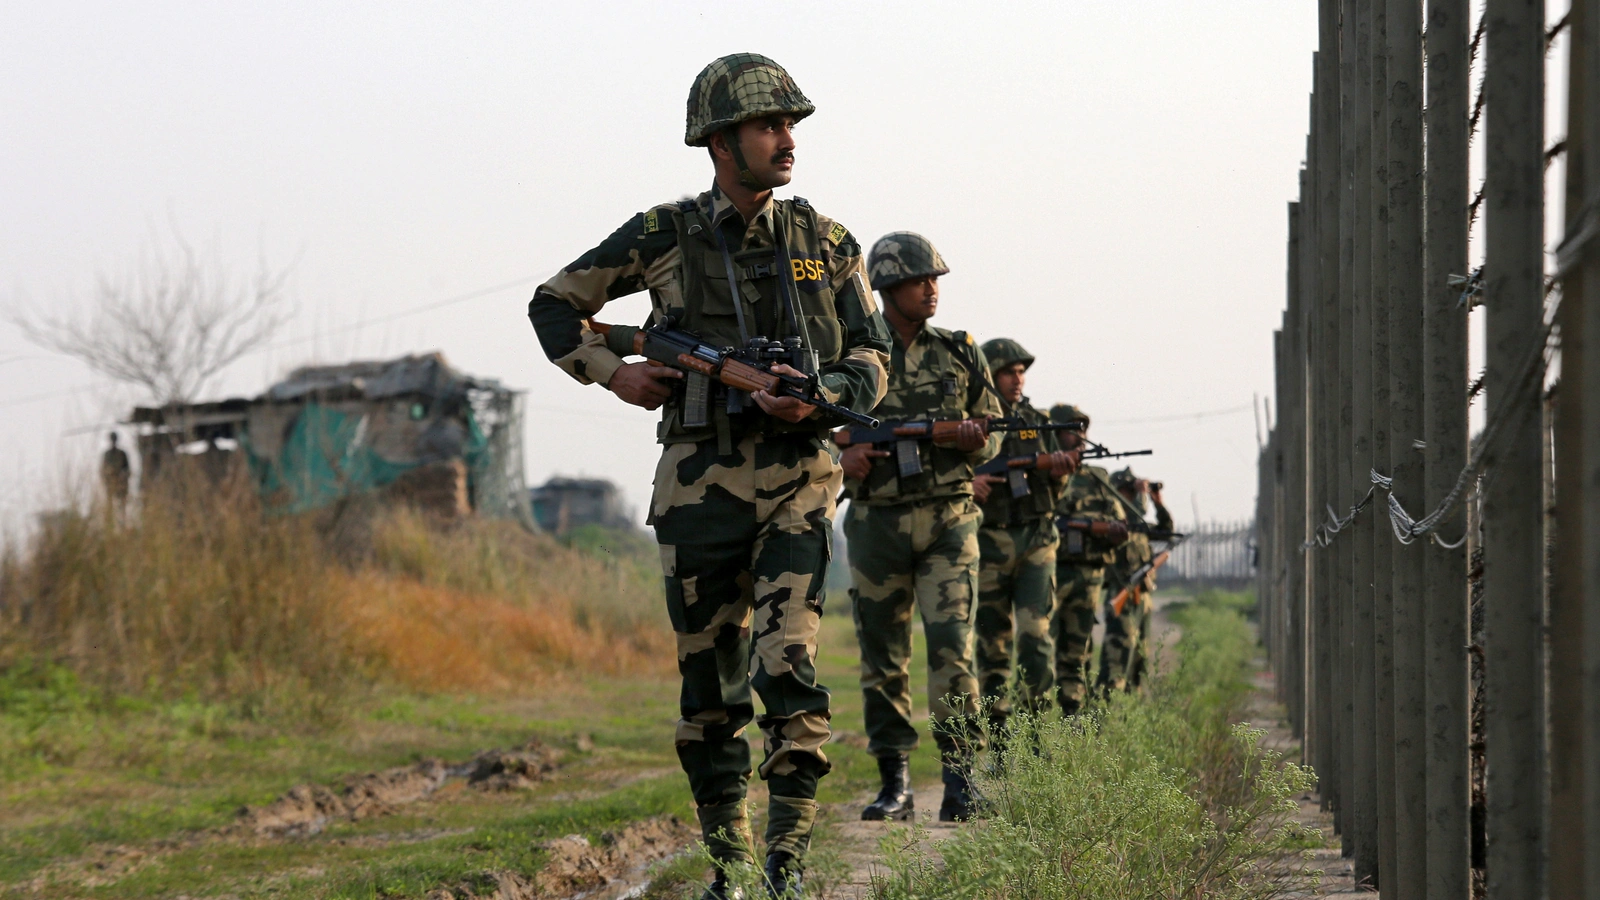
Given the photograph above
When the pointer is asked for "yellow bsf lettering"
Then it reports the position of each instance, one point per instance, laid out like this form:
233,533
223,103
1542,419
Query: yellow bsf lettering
806,269
1030,434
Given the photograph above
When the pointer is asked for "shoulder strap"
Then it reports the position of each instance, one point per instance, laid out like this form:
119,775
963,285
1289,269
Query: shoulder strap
961,346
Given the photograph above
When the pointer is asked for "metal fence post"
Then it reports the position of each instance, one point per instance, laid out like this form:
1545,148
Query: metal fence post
1377,531
1514,659
1579,260
1404,36
1444,379
1330,269
1357,462
1574,793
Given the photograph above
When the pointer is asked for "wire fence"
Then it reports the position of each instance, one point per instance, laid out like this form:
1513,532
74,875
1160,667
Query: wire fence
1424,592
1214,553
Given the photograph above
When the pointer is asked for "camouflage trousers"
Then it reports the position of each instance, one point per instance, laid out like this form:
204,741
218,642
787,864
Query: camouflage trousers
1016,603
1127,643
745,539
1078,590
921,556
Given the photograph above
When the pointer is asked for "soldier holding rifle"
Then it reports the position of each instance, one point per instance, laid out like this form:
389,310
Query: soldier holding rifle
912,528
776,293
1127,643
1017,545
1093,519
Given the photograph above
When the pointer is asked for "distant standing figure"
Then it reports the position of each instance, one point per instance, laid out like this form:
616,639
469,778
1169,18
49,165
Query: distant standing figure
115,474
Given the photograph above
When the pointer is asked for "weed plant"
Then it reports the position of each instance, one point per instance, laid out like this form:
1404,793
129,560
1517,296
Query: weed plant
1151,795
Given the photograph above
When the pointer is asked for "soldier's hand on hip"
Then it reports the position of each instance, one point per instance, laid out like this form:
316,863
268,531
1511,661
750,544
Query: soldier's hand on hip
983,485
971,435
786,408
856,460
643,384
1063,463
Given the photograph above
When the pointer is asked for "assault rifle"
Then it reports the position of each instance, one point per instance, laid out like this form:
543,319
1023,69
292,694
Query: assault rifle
1091,450
905,435
1135,586
1015,469
747,369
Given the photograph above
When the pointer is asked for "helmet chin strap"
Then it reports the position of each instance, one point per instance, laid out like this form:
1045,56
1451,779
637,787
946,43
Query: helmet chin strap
746,177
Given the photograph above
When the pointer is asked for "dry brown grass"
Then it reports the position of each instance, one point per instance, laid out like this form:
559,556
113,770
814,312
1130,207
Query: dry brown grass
202,593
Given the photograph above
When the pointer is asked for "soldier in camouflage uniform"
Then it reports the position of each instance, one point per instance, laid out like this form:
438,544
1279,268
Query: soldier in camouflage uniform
1127,644
744,492
913,539
1017,549
1094,521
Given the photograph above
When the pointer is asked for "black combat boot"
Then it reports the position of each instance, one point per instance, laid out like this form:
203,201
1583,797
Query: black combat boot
783,877
895,800
720,889
726,831
958,804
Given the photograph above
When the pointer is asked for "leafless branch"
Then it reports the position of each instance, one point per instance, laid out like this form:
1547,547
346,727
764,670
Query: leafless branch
170,323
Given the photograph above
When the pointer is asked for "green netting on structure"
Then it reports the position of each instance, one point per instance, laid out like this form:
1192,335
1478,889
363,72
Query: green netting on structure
327,456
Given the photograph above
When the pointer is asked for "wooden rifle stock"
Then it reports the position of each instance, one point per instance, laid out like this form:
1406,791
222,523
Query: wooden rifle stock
1005,463
731,372
1133,588
942,431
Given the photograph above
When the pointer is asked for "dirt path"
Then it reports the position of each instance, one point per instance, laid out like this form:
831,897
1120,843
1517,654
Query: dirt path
1265,712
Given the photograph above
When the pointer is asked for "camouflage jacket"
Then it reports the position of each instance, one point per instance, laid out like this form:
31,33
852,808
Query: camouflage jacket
672,251
942,375
1089,495
1004,508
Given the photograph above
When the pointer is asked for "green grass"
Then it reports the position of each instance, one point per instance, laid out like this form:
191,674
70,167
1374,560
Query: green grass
81,772
139,774
1154,795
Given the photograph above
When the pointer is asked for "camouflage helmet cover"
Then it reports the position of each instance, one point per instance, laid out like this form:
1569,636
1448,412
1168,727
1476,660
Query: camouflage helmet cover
736,88
1066,412
901,256
1124,478
1002,352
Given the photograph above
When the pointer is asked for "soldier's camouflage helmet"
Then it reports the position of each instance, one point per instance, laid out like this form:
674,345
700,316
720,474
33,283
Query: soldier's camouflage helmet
1002,352
1066,412
1123,478
901,256
739,87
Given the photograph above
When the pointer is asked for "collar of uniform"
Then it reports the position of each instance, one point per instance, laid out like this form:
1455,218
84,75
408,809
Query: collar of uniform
717,207
924,330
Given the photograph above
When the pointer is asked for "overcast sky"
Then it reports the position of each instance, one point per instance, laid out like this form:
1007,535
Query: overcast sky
1107,181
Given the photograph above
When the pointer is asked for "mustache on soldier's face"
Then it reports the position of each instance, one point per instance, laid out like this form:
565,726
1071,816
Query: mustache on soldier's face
782,157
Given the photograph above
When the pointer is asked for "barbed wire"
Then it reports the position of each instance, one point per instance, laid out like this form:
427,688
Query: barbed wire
1507,412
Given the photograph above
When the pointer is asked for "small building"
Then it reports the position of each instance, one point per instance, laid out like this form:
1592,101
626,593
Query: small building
562,504
412,428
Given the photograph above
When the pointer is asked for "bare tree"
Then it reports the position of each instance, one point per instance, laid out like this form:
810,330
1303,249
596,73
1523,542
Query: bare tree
170,323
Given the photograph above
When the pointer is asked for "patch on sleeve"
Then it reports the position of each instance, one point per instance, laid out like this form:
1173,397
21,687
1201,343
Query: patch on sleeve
652,222
837,233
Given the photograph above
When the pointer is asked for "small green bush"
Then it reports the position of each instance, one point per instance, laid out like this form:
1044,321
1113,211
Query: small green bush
1153,795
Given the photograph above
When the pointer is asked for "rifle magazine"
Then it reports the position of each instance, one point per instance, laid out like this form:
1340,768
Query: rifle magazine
696,401
908,456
